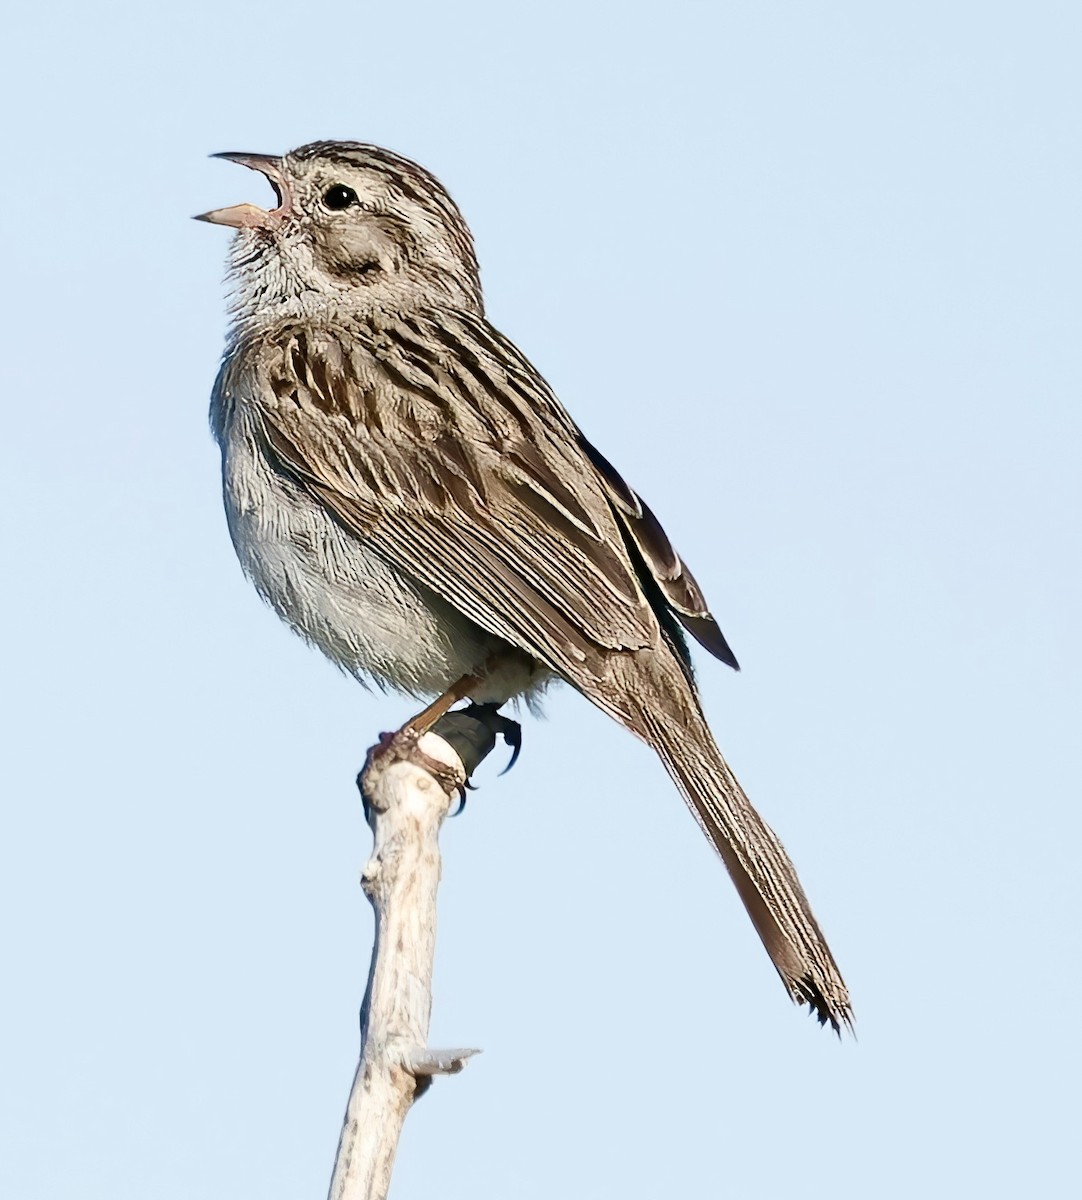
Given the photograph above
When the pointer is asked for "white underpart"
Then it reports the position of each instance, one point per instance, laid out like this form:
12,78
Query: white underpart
339,594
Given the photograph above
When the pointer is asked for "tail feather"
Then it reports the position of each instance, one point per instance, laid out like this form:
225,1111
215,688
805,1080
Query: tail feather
764,876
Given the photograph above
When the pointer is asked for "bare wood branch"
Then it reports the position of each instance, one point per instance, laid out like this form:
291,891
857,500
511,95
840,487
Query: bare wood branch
409,785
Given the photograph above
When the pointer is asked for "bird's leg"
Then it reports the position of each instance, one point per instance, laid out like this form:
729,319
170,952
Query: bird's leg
404,740
485,715
459,690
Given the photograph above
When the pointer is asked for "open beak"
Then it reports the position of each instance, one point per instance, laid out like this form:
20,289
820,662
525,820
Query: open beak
251,216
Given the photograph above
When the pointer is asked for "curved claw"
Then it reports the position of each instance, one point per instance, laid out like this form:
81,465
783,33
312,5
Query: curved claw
512,736
500,726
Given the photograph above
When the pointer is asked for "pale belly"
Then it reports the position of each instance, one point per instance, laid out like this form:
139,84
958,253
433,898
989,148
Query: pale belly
346,600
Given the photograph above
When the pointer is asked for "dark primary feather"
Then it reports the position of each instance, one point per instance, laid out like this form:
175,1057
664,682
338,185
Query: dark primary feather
475,482
675,582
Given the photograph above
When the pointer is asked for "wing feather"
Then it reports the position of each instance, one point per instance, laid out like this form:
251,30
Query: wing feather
432,437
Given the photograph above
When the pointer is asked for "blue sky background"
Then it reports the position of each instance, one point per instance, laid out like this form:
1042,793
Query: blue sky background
809,274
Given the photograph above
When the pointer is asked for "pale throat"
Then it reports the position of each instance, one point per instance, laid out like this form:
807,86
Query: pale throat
272,283
279,281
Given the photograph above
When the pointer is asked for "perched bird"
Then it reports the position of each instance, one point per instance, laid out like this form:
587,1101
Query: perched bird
407,493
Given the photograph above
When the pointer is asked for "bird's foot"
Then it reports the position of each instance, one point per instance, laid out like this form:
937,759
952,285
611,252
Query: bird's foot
404,746
489,717
471,731
501,726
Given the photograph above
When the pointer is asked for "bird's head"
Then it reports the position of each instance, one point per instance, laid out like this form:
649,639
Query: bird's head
355,229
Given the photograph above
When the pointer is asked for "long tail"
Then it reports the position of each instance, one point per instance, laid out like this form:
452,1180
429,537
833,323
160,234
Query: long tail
766,879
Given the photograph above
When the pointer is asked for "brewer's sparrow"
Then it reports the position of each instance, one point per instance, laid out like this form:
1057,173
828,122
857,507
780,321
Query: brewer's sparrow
407,493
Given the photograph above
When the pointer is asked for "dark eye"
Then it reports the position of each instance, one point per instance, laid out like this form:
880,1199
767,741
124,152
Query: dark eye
338,197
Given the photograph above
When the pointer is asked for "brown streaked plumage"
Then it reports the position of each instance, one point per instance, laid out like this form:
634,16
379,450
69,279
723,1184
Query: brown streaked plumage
407,492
